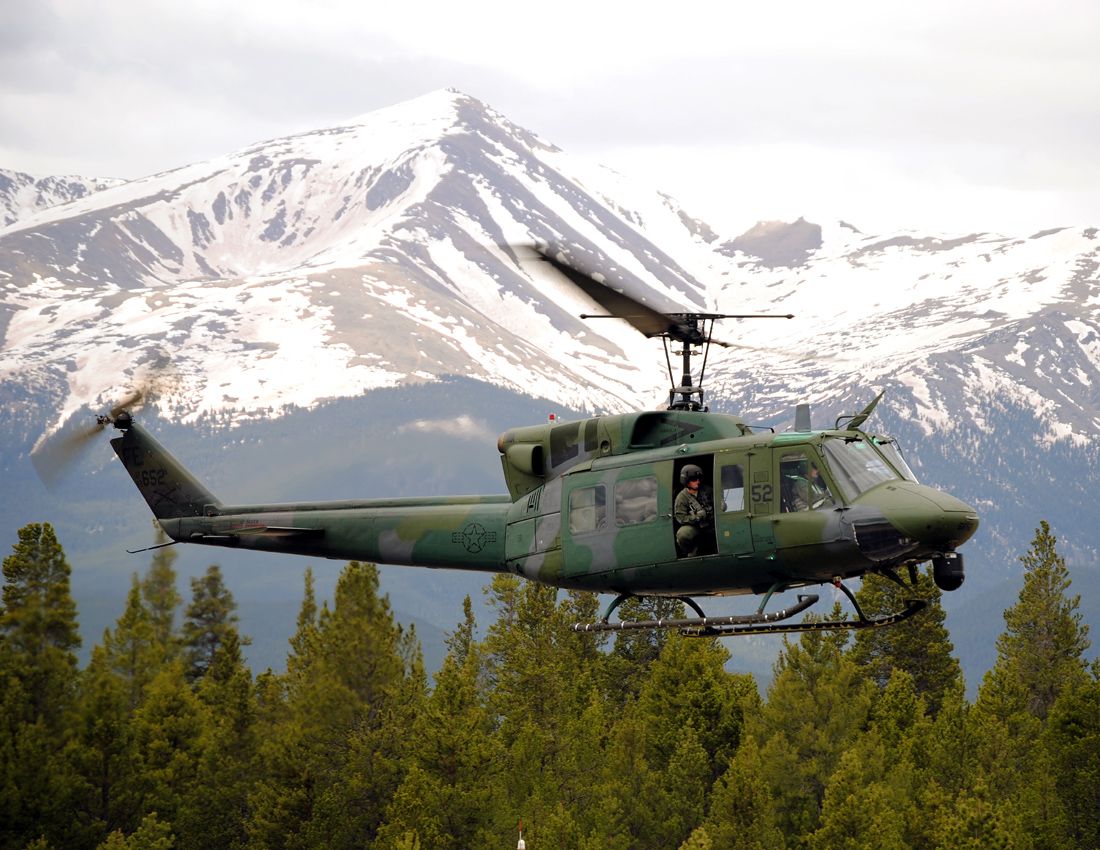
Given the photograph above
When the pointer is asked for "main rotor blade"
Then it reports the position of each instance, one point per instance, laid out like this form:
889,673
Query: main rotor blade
618,305
681,326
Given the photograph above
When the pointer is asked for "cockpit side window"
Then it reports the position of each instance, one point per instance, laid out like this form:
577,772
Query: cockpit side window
801,485
855,465
892,451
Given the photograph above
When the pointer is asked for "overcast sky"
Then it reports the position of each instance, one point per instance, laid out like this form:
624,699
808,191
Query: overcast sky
940,116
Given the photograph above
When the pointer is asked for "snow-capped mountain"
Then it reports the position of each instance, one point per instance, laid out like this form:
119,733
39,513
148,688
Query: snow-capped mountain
334,262
21,195
392,250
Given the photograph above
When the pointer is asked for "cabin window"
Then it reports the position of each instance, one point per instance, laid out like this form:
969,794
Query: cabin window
587,509
801,486
733,488
636,500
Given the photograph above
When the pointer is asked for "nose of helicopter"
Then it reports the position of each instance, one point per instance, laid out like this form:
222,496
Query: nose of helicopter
931,517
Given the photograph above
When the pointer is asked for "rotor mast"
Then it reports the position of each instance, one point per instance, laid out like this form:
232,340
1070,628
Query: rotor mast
693,331
688,395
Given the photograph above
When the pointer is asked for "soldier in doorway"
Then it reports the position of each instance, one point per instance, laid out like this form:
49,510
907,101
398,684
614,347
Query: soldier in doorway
693,511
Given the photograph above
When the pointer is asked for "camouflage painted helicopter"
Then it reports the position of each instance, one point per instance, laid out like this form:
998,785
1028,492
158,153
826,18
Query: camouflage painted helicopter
599,504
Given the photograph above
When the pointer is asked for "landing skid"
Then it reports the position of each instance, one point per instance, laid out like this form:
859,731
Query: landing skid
752,624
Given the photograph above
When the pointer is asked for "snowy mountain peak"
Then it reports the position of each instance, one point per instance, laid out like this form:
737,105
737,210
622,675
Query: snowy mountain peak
382,250
22,195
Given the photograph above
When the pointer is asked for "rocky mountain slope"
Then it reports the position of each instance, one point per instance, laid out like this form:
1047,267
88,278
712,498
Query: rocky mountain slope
21,195
391,251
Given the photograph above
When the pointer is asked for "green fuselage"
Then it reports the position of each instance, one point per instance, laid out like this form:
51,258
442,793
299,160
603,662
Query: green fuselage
590,506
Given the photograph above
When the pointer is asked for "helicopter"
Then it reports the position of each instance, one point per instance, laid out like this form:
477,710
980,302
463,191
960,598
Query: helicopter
599,504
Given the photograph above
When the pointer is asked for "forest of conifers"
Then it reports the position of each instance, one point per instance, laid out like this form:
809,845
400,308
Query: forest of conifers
167,740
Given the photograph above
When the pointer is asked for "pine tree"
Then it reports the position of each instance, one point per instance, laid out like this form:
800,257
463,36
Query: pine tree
103,756
919,645
635,650
214,814
38,678
38,629
332,758
1044,641
210,619
1013,771
169,735
817,703
307,625
450,793
1072,739
460,643
544,682
162,599
863,806
977,821
742,814
132,648
152,834
688,685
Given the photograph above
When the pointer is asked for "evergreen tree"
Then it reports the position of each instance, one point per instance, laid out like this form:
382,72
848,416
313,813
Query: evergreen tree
461,642
332,759
698,840
168,730
1013,772
162,598
544,689
742,813
38,678
307,625
865,803
977,821
816,705
919,645
132,648
1044,641
635,650
1072,739
38,629
450,794
214,814
210,619
151,834
688,686
104,756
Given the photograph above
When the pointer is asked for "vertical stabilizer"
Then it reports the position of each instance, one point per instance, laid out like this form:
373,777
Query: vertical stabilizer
167,486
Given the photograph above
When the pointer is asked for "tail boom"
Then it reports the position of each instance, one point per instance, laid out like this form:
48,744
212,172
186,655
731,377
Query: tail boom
461,532
448,533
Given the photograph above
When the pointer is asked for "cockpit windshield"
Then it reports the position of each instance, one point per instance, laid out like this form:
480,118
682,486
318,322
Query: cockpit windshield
855,465
889,447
